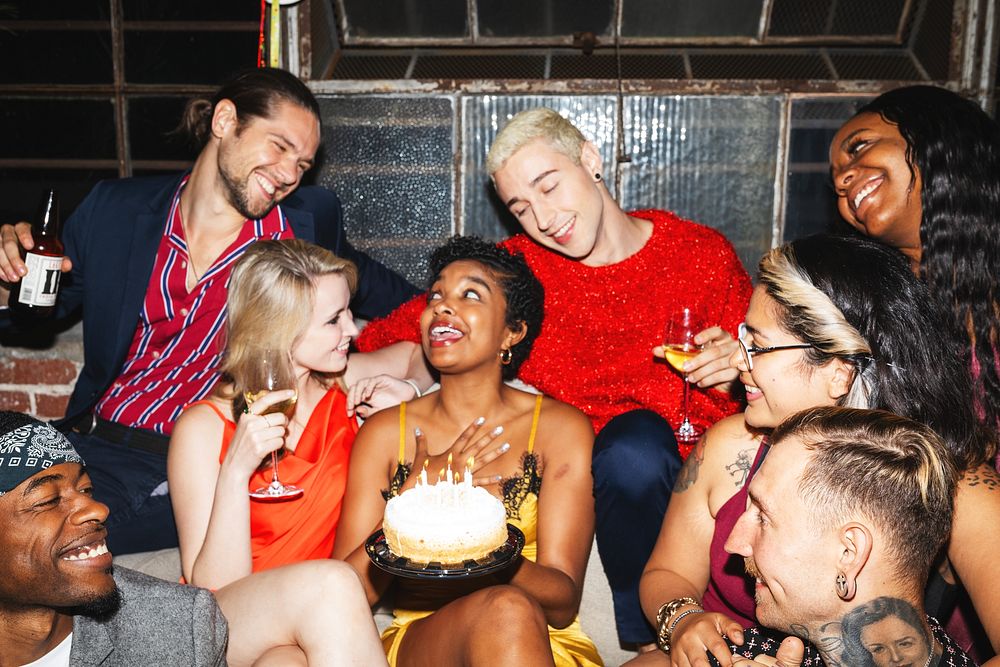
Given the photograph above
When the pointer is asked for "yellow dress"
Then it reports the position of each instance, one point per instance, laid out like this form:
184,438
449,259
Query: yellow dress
570,645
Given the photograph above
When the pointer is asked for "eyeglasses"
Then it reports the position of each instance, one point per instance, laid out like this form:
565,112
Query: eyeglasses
749,352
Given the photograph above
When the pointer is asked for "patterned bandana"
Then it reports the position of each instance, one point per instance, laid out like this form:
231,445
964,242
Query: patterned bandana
30,449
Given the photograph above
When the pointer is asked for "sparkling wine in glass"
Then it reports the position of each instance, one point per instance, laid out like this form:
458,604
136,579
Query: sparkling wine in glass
273,373
678,347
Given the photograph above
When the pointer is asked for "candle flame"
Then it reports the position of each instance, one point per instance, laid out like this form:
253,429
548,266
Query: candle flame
470,462
456,478
426,461
441,474
449,459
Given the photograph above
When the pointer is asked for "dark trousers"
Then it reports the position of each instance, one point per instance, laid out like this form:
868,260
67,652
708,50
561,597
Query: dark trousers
124,479
636,461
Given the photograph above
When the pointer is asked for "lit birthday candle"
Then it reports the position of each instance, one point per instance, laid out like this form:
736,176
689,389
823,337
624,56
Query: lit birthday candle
469,463
423,474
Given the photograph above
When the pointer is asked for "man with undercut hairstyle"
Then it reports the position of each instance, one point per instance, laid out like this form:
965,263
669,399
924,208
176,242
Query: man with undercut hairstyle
61,602
846,515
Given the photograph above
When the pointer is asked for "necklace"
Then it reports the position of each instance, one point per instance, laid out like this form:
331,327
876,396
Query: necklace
931,656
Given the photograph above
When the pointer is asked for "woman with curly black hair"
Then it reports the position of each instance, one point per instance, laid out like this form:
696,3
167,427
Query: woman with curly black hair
918,168
483,312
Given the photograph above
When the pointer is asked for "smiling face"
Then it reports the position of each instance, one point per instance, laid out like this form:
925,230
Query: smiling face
53,542
892,642
262,161
782,382
557,202
876,193
464,323
786,549
324,345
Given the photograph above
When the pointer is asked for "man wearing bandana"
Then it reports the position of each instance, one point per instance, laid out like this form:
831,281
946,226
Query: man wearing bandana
61,603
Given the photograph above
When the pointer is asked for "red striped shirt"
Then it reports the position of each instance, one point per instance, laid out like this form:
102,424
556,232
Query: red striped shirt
177,343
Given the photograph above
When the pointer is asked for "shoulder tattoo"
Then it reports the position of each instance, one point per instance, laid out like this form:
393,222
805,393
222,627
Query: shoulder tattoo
740,468
689,473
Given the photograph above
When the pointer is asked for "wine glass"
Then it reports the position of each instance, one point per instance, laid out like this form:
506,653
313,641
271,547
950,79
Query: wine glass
678,347
273,373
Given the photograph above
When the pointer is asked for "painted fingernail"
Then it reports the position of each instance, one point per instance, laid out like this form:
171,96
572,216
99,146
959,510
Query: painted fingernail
504,447
417,431
497,431
480,421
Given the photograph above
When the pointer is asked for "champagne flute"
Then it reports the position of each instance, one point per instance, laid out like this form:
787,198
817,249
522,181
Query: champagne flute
274,373
678,347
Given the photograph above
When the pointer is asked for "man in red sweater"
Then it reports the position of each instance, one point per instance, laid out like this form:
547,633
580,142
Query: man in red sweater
612,279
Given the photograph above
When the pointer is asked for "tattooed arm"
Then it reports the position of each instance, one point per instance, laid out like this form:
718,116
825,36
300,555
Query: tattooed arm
974,545
679,564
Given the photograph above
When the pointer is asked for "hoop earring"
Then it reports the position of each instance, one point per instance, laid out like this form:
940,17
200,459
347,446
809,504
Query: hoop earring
505,356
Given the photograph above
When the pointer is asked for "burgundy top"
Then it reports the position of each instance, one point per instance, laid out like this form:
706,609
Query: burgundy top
730,591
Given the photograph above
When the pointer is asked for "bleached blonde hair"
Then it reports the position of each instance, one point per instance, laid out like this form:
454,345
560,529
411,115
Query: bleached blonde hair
810,314
527,126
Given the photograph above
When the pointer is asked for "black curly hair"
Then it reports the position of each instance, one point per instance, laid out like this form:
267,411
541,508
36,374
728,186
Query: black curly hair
955,146
524,294
11,421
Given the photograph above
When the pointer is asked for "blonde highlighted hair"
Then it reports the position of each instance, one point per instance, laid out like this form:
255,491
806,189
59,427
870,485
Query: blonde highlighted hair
893,471
527,126
270,304
810,314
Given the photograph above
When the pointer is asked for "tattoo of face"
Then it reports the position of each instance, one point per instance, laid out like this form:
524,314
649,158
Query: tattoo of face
689,473
983,476
885,631
740,468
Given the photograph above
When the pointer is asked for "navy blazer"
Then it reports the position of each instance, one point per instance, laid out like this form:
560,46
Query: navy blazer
112,239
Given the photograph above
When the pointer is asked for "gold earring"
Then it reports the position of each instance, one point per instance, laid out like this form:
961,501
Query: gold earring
505,356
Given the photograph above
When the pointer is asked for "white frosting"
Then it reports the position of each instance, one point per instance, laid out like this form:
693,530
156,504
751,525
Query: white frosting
444,522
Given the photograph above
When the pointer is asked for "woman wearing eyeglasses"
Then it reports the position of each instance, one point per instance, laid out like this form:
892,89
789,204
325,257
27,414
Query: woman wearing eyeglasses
832,321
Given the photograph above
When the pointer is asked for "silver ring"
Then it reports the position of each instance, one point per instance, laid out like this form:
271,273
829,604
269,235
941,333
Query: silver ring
266,421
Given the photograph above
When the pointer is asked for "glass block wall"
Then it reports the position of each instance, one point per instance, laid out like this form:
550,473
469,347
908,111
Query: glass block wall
410,168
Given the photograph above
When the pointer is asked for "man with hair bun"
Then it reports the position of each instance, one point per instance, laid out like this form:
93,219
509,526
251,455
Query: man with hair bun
61,603
149,261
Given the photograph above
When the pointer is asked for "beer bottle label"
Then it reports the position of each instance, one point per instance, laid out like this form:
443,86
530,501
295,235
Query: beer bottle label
41,284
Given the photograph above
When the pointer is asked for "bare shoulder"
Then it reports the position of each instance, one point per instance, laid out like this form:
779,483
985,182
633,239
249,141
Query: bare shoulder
379,426
563,415
201,420
722,458
563,431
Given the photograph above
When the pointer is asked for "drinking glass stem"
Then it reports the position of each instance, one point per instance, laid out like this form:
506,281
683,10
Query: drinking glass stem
274,468
687,393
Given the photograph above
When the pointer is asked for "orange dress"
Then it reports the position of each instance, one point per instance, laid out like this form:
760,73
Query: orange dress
288,532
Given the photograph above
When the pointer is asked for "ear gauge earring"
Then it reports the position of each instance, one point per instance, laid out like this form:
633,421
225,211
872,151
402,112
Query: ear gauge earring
597,176
845,589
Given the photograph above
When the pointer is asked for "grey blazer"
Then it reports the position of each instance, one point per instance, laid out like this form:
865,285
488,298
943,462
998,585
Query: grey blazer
159,623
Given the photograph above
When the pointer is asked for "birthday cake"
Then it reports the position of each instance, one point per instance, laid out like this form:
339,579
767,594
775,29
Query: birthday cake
447,522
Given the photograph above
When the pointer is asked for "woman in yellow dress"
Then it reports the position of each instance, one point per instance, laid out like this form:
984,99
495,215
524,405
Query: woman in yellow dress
484,310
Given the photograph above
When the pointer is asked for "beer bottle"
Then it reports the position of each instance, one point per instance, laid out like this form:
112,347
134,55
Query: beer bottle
35,294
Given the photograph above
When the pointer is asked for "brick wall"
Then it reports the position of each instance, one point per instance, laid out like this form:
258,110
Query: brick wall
37,376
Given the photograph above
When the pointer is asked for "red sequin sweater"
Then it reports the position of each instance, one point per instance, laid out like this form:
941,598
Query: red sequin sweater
602,322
